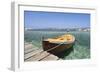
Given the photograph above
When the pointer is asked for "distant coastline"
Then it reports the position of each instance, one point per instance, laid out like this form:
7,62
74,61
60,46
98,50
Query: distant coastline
56,29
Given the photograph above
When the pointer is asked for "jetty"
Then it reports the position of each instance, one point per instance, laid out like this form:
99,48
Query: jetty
33,53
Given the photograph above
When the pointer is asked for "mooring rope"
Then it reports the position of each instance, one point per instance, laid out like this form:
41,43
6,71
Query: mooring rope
45,50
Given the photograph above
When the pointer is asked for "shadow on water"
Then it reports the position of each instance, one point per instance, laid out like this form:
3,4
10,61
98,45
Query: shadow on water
65,53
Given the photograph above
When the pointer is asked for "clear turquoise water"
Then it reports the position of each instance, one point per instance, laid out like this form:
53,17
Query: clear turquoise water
81,47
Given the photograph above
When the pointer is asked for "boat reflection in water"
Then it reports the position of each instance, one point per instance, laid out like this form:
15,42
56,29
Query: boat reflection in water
59,45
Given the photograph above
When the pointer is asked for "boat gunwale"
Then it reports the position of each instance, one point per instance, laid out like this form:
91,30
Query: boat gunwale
60,42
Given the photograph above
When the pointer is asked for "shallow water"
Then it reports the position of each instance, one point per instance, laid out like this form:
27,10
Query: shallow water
81,49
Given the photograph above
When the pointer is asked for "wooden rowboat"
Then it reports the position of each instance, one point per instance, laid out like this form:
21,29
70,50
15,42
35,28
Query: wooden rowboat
58,44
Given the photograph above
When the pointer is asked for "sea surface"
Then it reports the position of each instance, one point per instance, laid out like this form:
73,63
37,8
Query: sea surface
81,46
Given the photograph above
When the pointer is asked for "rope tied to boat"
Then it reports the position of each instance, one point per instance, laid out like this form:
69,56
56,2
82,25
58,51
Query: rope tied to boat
45,50
48,49
54,47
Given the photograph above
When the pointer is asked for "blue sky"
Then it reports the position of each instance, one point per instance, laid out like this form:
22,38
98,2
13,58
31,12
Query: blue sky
39,19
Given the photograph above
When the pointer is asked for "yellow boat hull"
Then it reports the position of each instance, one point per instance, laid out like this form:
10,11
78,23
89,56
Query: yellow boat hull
58,44
47,45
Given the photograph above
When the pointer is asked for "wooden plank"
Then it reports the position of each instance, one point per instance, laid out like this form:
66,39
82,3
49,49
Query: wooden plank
30,50
31,53
50,57
28,46
26,43
38,56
